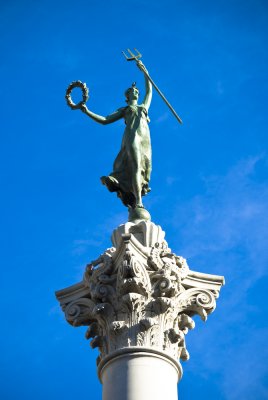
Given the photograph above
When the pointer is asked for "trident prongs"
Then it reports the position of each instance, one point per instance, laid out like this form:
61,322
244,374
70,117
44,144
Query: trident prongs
133,56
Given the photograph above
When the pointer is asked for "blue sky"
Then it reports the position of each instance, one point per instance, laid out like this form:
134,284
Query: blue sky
209,179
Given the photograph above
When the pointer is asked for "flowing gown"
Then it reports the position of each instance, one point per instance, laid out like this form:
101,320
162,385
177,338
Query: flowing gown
134,161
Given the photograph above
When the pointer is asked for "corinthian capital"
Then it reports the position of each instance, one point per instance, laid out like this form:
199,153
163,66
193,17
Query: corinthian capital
139,295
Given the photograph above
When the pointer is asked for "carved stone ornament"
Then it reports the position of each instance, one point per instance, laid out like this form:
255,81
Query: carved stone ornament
139,295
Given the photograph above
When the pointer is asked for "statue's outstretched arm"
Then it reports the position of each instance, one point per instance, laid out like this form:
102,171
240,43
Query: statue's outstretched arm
148,86
99,118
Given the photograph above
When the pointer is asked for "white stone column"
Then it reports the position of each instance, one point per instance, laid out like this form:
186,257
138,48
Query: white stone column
138,299
140,376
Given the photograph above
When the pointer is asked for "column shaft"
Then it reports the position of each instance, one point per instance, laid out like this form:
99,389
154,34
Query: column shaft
139,376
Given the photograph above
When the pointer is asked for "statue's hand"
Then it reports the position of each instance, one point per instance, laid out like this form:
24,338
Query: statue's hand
83,108
141,66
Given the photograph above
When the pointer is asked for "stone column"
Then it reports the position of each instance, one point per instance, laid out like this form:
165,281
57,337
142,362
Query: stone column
138,299
139,375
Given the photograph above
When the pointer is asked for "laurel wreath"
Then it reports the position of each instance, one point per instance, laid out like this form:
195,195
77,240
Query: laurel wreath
68,96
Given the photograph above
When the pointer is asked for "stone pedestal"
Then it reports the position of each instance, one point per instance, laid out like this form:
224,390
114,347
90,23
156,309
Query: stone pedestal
138,299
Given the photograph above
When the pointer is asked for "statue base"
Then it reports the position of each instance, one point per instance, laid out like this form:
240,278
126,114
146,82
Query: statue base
138,214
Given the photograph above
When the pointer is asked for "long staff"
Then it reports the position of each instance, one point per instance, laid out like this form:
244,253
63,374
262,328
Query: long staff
137,58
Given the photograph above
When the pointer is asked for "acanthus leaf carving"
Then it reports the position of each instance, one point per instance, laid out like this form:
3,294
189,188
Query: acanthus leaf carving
147,323
132,276
79,312
197,301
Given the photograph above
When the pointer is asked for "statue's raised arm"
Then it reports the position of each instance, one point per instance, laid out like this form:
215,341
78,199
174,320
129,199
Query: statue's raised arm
136,57
148,86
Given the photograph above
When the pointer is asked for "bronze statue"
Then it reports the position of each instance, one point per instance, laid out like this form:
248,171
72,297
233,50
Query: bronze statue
132,167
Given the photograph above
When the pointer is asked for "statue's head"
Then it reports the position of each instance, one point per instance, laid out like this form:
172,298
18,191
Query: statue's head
132,93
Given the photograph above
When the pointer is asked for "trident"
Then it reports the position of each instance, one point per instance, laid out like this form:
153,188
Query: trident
136,58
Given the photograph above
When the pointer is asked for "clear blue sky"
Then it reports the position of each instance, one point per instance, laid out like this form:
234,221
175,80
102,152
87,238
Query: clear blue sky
209,180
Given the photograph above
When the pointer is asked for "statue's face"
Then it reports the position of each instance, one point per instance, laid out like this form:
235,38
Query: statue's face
133,94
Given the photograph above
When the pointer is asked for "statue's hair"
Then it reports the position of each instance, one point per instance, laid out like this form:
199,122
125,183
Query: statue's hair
129,89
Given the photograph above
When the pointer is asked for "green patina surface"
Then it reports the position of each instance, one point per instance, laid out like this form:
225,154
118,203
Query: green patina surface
132,167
